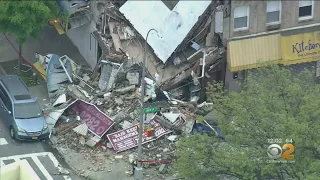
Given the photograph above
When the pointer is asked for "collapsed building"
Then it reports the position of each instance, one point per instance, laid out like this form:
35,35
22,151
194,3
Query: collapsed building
100,106
185,50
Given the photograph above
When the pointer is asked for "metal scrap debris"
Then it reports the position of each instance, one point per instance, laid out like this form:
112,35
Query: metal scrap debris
59,72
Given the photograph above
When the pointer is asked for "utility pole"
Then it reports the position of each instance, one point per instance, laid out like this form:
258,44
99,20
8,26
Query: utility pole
138,173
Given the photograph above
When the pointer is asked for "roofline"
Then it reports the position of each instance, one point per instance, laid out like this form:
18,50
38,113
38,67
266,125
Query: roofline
273,32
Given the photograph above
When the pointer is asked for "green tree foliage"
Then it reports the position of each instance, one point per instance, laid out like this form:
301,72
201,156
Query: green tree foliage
272,104
24,19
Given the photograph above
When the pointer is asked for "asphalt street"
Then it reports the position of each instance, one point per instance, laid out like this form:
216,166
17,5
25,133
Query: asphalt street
41,157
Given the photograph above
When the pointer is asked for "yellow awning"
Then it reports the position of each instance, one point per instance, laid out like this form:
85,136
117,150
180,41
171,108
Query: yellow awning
250,53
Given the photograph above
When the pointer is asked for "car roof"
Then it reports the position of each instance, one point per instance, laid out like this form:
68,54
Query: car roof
16,87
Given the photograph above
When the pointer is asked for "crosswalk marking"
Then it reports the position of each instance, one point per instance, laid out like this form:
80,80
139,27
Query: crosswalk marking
53,159
42,168
26,156
34,157
1,163
3,141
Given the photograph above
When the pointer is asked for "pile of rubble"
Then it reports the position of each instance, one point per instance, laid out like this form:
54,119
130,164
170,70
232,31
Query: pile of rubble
98,116
96,113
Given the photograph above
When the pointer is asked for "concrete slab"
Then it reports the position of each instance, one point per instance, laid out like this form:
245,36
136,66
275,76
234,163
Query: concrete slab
115,36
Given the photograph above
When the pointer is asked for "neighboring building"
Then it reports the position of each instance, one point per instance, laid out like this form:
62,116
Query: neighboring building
78,20
83,37
285,32
19,170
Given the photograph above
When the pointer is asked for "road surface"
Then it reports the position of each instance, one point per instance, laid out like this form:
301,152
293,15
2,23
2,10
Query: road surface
41,157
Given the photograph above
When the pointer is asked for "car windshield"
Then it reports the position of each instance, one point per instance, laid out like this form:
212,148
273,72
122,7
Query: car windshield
27,110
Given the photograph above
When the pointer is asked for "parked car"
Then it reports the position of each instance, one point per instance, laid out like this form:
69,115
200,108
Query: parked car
20,111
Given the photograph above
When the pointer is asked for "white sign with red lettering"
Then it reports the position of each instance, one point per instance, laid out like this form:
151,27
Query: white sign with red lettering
128,138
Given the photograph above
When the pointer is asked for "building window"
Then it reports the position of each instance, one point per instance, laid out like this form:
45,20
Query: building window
241,18
273,12
305,10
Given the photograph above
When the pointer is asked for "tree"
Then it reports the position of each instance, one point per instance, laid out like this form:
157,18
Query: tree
273,103
25,19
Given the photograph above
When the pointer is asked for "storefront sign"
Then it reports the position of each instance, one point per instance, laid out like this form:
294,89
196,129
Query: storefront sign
128,138
97,121
301,47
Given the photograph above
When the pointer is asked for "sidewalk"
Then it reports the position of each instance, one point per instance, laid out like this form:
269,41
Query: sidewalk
2,71
41,93
94,164
49,42
38,91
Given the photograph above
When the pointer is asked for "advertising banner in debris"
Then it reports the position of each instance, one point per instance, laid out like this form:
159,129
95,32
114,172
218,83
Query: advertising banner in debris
128,138
97,121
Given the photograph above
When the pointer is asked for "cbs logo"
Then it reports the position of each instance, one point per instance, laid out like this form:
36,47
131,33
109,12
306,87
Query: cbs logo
274,151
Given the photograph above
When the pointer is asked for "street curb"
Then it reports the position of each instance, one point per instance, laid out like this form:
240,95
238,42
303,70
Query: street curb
75,170
2,70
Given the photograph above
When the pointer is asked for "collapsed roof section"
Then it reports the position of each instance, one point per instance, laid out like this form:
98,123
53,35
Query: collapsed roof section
172,26
122,41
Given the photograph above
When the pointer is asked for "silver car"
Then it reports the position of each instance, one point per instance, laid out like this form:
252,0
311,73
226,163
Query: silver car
20,111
